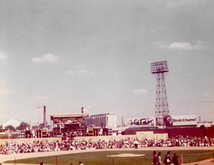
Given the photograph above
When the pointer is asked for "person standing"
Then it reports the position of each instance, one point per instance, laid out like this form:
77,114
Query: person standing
167,159
155,158
176,159
159,159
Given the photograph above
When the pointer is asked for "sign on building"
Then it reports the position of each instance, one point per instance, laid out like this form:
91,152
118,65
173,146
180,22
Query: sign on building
139,122
184,120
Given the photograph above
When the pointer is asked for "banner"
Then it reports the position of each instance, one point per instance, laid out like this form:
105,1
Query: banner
184,120
139,122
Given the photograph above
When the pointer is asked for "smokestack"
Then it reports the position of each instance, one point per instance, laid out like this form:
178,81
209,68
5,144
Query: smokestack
199,119
84,110
45,117
30,124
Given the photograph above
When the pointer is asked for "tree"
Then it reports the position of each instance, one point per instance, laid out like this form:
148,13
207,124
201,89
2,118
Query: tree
1,128
9,127
35,127
23,126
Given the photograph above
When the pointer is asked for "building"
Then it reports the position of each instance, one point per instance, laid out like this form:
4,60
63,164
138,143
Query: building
182,125
105,120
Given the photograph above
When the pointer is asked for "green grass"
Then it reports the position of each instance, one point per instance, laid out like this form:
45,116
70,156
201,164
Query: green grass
100,158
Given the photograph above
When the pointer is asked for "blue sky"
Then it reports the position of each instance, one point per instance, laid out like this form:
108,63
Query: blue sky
97,54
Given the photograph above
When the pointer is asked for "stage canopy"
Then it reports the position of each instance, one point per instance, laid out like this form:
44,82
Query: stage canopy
67,118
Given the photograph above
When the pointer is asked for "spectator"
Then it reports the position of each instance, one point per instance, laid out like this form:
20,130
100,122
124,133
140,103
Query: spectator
155,158
159,159
74,144
167,159
176,159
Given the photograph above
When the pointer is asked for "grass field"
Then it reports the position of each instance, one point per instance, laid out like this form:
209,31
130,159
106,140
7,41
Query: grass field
101,158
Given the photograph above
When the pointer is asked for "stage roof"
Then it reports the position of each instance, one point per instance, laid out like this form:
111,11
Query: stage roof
61,115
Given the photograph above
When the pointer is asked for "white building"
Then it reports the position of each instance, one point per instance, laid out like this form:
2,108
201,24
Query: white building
106,120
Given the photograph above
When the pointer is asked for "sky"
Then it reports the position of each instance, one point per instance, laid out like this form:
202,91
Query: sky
68,54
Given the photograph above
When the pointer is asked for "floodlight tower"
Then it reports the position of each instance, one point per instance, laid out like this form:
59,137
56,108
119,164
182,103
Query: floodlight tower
160,69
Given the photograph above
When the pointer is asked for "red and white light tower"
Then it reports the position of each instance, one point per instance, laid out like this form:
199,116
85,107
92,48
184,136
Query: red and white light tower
160,69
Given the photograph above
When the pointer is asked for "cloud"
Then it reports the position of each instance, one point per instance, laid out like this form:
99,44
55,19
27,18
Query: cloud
180,45
3,56
186,46
41,98
45,58
79,72
37,59
139,91
6,92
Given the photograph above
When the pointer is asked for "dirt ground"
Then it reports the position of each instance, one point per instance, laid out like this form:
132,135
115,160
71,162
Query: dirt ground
4,158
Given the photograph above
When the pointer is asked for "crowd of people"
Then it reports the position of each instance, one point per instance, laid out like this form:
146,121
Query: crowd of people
74,144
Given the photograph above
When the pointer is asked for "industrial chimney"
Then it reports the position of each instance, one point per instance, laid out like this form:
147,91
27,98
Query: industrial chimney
199,119
45,123
84,110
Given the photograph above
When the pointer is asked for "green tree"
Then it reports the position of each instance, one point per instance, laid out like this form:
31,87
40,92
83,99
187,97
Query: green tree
9,127
23,126
35,127
1,128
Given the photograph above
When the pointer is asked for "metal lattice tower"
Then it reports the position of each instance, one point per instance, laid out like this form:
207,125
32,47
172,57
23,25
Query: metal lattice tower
160,69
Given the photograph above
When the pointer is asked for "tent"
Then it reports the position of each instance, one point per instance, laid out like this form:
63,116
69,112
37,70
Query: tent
15,123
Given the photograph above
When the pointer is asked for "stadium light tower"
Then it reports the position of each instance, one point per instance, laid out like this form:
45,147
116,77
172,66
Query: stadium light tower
160,69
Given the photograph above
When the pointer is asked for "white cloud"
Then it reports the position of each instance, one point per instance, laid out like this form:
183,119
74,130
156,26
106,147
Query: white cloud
6,92
41,98
186,46
36,59
180,45
46,58
139,91
3,56
79,72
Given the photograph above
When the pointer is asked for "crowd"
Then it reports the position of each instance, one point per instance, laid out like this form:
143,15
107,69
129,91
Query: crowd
74,144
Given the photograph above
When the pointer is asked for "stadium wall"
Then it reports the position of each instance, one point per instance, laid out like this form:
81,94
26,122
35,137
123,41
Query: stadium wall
139,135
176,131
27,140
